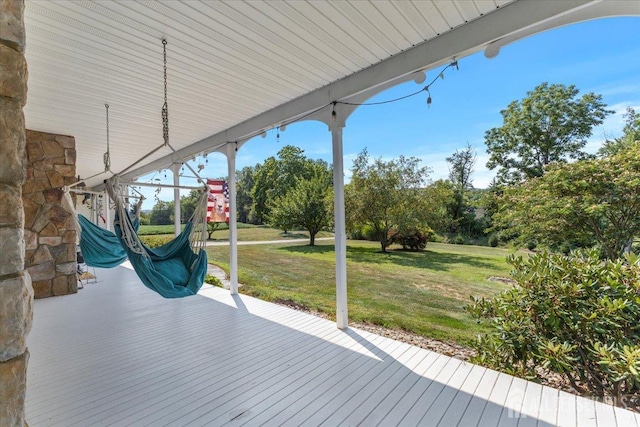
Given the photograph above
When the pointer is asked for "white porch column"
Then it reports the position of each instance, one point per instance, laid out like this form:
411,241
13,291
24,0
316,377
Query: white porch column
342,315
233,220
175,168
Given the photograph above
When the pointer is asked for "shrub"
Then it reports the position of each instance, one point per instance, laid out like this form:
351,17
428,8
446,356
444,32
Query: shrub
155,241
458,240
369,233
213,280
574,315
531,245
494,240
414,238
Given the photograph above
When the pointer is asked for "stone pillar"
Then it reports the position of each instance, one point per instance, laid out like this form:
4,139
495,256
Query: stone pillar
16,293
50,233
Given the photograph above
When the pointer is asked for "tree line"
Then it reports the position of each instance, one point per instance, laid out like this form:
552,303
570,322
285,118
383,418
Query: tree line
548,191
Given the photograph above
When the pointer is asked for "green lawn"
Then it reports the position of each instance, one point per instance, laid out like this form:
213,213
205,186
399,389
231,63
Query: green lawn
156,230
422,292
246,232
263,233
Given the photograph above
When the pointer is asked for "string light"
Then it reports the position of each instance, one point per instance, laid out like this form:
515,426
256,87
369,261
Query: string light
440,75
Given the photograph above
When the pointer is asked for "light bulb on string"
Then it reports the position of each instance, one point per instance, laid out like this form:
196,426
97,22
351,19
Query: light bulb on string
429,99
278,135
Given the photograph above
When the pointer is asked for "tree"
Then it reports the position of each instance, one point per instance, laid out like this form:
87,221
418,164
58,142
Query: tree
307,205
188,204
386,195
435,201
589,202
161,213
276,176
211,227
244,184
630,135
549,125
461,164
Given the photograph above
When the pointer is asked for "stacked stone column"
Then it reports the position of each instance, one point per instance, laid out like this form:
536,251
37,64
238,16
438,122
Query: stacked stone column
16,293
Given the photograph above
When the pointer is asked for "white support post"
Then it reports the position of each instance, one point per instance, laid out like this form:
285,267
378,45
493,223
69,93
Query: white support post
233,220
175,168
342,315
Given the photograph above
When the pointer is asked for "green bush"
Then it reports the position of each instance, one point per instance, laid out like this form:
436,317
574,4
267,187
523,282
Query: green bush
574,315
494,240
458,240
213,280
531,245
155,241
414,238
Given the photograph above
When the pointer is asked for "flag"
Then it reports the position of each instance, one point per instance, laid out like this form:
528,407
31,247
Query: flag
217,201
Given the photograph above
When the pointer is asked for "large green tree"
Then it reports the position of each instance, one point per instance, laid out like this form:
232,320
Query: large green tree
551,124
307,205
386,195
630,135
161,213
244,201
188,204
589,202
278,175
461,166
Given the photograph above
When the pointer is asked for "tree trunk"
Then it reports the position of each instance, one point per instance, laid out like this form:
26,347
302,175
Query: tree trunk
312,239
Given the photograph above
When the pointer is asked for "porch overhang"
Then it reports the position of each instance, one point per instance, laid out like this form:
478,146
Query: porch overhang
238,69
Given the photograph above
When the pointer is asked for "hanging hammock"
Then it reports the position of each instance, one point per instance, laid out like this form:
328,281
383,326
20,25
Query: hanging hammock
99,246
175,269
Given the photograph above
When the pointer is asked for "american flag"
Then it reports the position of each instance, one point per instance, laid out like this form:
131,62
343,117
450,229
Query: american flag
218,201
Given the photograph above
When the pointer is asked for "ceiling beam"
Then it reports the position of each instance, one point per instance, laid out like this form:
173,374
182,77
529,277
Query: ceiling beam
459,42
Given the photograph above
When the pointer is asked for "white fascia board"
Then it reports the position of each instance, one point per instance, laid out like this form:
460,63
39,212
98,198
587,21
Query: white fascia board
459,42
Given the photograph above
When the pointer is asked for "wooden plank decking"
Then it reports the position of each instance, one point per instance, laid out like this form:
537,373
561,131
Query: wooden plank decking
118,354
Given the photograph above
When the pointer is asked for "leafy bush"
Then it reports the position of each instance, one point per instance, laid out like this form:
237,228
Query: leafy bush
574,315
531,245
155,241
213,280
494,240
414,238
458,240
364,232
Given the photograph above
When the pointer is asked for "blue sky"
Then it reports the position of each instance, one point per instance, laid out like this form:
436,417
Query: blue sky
601,56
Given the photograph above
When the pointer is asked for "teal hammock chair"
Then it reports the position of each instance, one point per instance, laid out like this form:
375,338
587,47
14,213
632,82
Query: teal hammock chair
100,247
174,270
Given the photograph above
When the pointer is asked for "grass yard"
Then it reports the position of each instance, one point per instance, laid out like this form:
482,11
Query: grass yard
421,292
246,232
264,233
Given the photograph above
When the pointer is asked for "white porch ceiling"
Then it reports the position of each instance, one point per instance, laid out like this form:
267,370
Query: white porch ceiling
237,67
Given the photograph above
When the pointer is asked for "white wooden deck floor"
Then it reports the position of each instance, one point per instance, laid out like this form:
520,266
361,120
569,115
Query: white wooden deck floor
118,354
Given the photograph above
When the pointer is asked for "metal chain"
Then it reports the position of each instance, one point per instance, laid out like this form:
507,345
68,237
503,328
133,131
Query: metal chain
107,156
165,107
